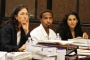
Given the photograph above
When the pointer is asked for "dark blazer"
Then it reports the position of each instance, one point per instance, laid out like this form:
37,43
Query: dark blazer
9,38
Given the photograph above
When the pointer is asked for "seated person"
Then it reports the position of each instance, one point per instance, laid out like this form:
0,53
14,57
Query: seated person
70,27
15,31
43,32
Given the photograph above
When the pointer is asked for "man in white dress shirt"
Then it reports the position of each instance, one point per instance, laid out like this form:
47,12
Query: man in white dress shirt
43,32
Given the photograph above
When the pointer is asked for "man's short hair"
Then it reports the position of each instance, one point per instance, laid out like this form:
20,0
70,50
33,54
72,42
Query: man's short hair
44,11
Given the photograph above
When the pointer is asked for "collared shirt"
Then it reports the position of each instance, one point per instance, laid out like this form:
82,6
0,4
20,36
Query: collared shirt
39,33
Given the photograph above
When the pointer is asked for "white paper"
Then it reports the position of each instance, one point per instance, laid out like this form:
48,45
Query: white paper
61,54
83,52
19,55
3,55
56,41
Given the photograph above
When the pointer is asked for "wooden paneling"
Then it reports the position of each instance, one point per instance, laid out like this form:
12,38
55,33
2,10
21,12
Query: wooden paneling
54,27
11,4
42,4
61,7
33,25
84,11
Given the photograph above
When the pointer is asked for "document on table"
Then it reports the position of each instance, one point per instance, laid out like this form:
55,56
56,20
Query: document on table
83,52
55,41
3,55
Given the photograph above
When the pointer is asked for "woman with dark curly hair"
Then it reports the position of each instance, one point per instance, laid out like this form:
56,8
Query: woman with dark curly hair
15,31
70,27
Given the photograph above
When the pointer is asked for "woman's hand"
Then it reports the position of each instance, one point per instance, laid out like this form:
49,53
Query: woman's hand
85,35
22,48
25,26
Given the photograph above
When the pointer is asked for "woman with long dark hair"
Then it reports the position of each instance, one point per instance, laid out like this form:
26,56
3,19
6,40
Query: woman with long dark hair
70,27
15,31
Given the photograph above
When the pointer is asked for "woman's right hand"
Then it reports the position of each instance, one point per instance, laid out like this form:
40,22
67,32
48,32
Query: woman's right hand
22,48
85,35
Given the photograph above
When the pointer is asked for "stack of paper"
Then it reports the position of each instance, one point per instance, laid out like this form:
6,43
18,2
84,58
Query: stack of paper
79,40
56,41
82,43
3,56
19,55
83,52
41,52
61,54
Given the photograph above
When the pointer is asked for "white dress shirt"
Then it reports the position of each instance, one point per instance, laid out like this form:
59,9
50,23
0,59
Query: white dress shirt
39,33
18,37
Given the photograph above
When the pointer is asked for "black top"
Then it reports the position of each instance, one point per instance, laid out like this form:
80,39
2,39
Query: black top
65,33
8,38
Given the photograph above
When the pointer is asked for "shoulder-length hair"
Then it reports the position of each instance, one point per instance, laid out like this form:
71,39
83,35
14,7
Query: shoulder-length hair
15,12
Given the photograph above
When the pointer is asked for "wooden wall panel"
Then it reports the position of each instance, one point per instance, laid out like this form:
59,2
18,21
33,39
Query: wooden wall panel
42,4
33,25
84,11
54,27
61,7
11,4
